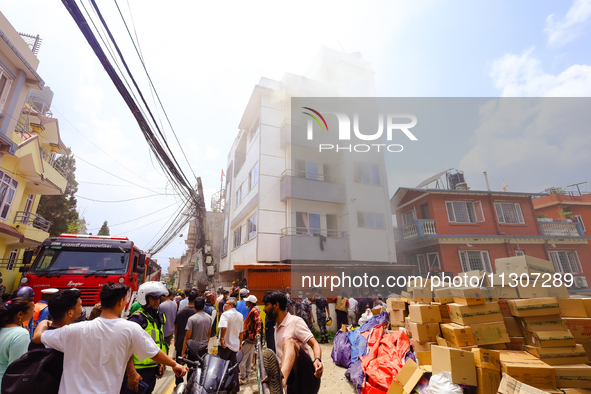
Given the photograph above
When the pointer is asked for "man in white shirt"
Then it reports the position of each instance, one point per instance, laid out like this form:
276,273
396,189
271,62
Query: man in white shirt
352,311
96,352
231,332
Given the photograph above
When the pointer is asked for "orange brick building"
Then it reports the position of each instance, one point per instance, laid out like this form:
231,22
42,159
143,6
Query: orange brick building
461,230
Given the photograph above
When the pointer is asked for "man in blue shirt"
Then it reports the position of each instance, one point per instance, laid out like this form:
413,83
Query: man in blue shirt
241,307
41,310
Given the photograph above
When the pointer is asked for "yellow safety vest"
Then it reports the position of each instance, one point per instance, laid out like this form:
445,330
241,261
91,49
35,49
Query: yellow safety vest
157,335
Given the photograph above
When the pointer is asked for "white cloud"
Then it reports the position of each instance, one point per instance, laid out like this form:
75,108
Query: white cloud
562,30
523,76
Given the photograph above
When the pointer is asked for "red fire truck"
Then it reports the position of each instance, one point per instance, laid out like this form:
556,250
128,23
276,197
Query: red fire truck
87,262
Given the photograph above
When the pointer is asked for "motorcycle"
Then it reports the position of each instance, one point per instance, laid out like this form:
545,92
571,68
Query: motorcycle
209,373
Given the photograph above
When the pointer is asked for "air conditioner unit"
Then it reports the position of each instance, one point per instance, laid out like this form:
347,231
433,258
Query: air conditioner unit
580,282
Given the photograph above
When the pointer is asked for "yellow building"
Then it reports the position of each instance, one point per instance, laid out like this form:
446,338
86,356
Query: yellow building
29,145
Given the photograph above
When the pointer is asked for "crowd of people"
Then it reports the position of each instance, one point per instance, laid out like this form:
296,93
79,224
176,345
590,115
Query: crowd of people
120,355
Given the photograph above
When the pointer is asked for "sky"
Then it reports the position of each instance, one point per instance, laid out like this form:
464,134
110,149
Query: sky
205,59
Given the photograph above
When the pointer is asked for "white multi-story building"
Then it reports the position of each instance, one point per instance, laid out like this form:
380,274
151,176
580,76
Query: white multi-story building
285,202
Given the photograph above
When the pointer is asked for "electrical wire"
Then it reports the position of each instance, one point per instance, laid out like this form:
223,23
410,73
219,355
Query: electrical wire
133,220
129,199
137,228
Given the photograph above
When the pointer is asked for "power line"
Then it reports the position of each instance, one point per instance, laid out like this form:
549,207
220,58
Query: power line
129,199
137,228
133,220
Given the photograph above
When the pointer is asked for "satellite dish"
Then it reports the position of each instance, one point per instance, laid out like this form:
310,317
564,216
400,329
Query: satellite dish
432,179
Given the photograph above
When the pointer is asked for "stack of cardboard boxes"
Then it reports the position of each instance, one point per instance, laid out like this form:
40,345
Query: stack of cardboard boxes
534,334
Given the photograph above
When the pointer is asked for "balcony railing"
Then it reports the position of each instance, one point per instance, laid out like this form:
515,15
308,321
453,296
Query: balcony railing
32,219
418,228
51,160
562,229
313,232
312,176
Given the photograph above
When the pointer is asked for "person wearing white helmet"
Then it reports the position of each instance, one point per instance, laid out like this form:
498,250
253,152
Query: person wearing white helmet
152,321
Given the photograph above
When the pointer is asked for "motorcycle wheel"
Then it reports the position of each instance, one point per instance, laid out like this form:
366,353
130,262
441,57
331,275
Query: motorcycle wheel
273,372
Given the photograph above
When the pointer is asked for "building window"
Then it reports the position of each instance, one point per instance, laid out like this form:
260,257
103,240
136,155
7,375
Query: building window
253,177
5,83
433,260
308,169
239,195
519,253
579,219
28,206
475,260
566,261
307,223
367,173
237,238
509,213
252,226
12,259
464,211
8,188
370,220
409,216
331,226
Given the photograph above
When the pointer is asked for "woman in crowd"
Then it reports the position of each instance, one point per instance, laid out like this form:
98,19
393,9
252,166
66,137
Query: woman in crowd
14,339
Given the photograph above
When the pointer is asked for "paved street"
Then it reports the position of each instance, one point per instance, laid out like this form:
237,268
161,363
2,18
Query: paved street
333,380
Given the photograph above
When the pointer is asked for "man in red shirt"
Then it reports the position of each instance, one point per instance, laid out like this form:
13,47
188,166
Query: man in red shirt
252,328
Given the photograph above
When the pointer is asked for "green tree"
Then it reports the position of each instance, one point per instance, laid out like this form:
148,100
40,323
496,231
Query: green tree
60,209
171,279
104,229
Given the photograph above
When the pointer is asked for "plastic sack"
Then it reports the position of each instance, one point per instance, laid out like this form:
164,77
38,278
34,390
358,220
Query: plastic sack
442,384
376,320
385,359
356,376
341,349
358,345
365,316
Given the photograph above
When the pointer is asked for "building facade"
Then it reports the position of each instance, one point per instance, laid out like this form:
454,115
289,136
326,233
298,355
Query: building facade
30,144
462,230
574,209
287,204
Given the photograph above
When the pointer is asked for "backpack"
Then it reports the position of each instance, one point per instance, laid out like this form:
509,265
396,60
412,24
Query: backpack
37,371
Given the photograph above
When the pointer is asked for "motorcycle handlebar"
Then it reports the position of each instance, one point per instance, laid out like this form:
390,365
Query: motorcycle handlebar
187,361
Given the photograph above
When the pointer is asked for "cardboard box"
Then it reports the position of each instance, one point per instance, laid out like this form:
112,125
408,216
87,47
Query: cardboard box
406,380
586,344
527,369
541,323
441,341
549,338
377,310
516,343
457,334
424,313
405,296
397,316
495,346
424,332
572,307
443,311
488,381
467,295
576,391
507,292
424,358
421,346
443,295
396,304
418,282
534,307
523,265
407,326
513,327
587,305
577,375
490,333
558,291
504,306
458,362
424,296
466,315
488,359
559,355
580,327
534,289
510,385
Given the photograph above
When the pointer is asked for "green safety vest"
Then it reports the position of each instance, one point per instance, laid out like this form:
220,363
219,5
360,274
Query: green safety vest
157,335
